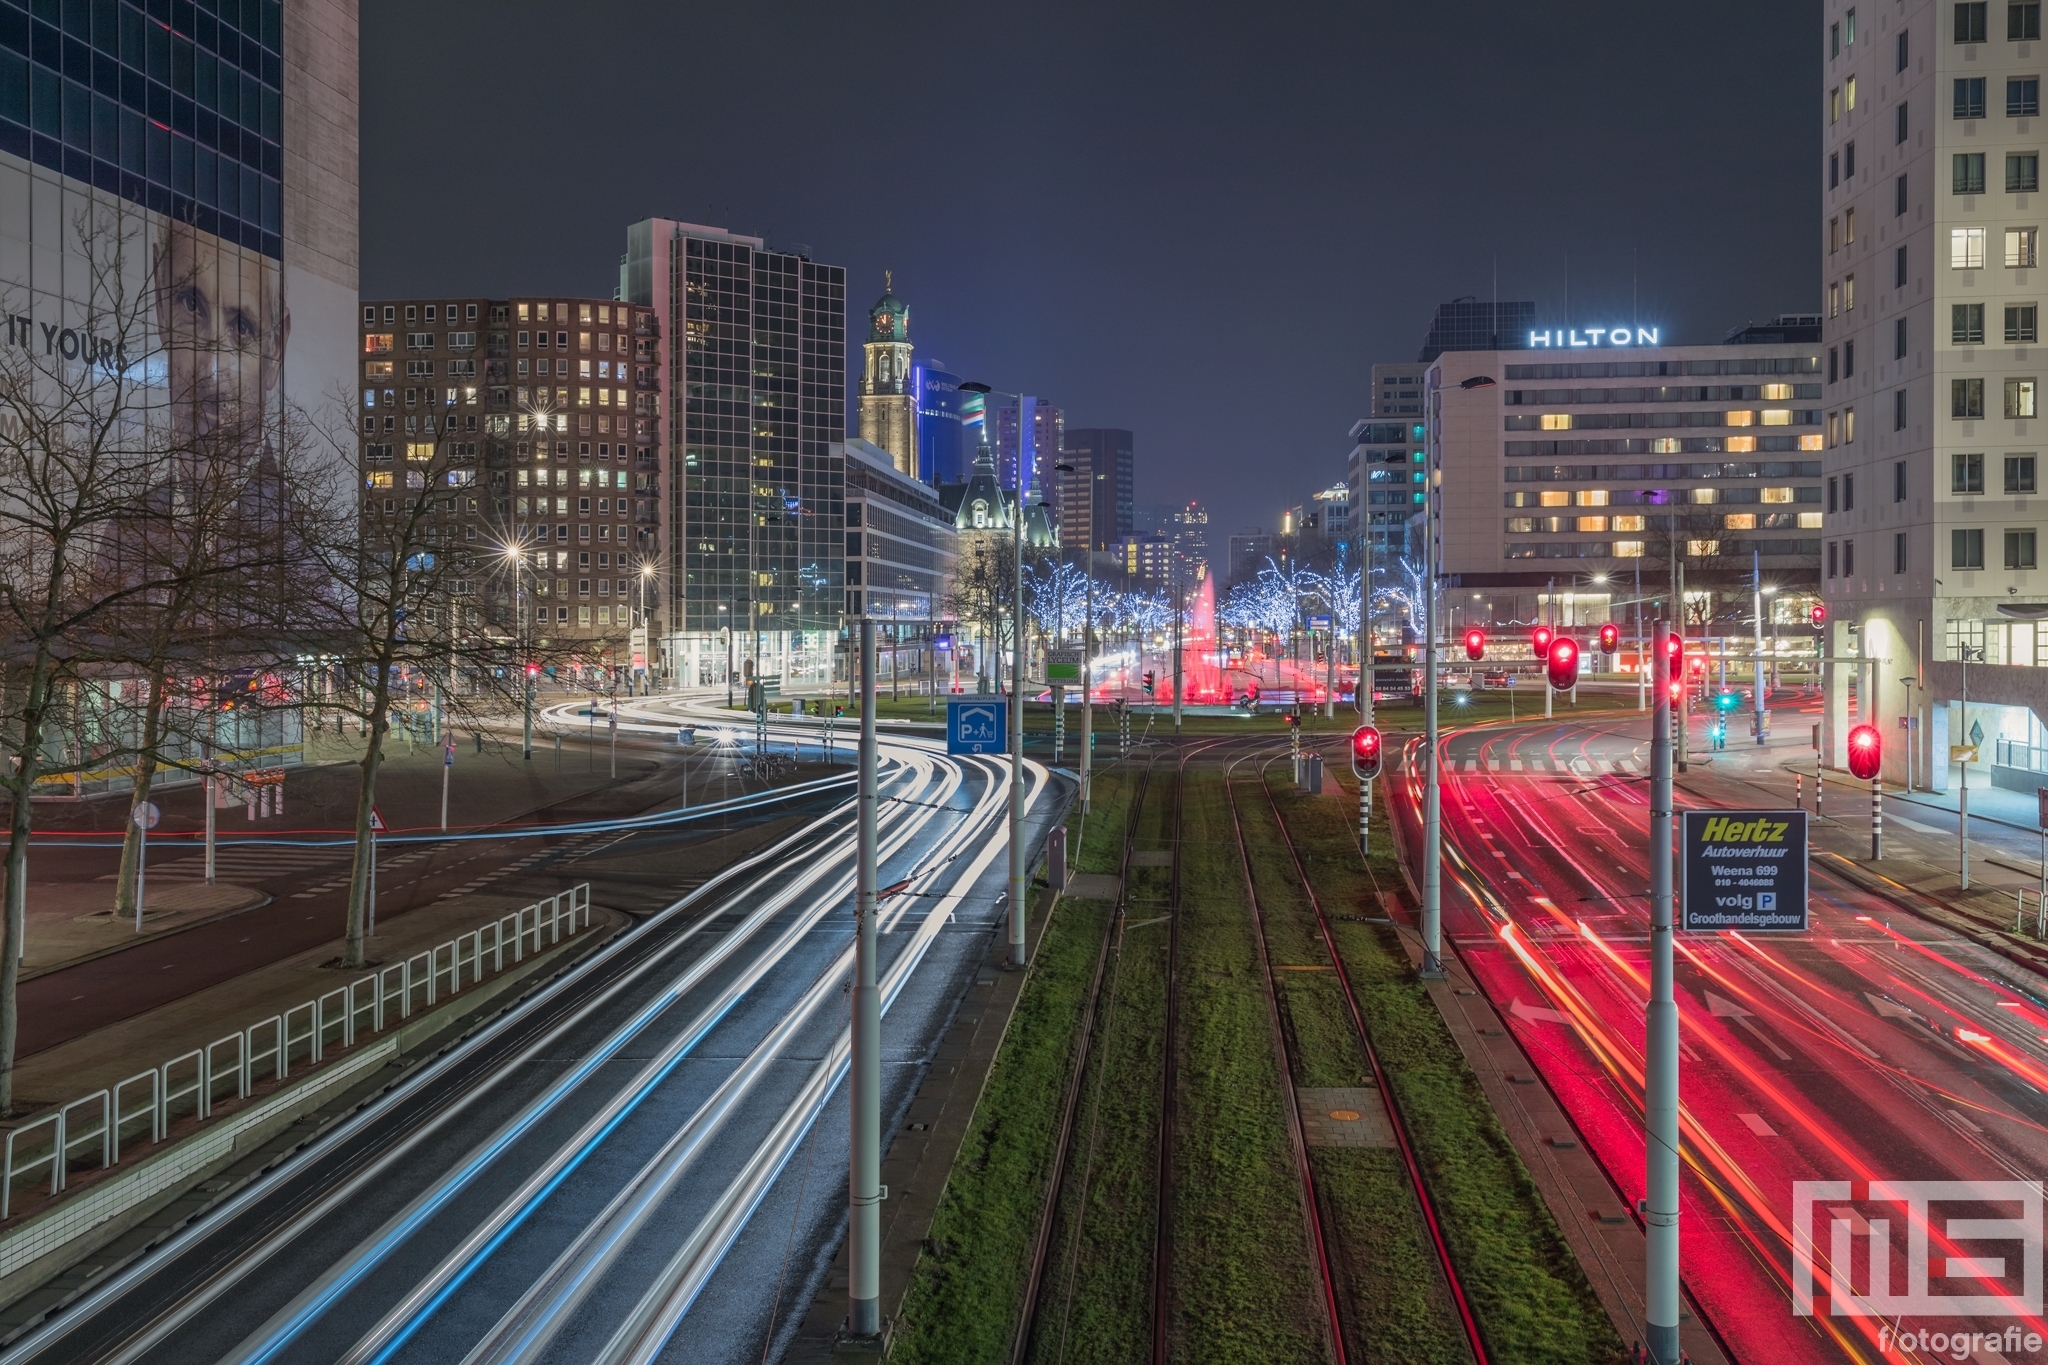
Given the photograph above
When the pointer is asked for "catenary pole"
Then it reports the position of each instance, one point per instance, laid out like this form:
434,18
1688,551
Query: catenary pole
1018,868
1432,795
1756,574
1660,1208
864,1217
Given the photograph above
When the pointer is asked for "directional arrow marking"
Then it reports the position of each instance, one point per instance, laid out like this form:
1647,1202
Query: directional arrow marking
1722,1008
1536,1014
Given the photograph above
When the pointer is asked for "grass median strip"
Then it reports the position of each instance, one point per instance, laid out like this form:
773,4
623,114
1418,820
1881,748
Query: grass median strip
1527,1289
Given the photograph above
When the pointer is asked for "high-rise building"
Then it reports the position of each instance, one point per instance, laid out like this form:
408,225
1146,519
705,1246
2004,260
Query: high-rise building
1333,512
1466,324
1579,466
1044,436
1250,548
1397,390
544,413
944,454
752,345
213,162
1105,464
1190,532
1929,248
1384,475
888,397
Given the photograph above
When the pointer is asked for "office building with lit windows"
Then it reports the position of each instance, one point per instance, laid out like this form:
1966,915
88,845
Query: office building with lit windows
543,413
752,346
1595,450
1384,475
1929,244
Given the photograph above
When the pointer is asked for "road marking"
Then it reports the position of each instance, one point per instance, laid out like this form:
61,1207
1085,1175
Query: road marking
1722,1008
1536,1013
1757,1125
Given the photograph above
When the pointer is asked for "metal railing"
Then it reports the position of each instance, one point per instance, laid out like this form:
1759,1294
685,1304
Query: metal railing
192,1083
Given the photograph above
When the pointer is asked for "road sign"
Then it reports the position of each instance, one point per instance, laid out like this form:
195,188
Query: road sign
1319,622
1744,869
1976,733
977,725
636,647
376,821
448,753
1063,665
146,815
1962,753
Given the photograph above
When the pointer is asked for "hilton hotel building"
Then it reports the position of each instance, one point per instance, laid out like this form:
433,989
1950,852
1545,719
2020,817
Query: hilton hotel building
1929,244
1594,447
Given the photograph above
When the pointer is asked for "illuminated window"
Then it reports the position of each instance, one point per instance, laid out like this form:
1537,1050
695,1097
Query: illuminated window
1703,548
377,343
419,452
2019,398
523,317
1849,94
1592,497
1742,418
1834,104
1554,497
1777,417
1849,293
380,479
1966,248
1557,421
1776,494
1592,523
1516,525
1664,445
1777,392
1741,445
1703,495
1849,423
2021,246
1626,523
1628,549
1810,442
1739,521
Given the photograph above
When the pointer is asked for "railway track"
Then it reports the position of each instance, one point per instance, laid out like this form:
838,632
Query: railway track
1315,1212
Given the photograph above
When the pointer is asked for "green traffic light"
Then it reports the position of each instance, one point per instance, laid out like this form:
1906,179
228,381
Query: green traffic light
1727,701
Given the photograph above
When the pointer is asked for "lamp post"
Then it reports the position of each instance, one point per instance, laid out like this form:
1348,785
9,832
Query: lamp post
1432,794
646,620
1087,651
1017,862
522,617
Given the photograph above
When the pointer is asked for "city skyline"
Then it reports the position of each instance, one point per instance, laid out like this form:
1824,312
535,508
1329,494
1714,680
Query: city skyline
1166,159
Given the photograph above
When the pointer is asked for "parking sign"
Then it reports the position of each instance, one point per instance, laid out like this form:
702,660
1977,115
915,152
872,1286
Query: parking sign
977,725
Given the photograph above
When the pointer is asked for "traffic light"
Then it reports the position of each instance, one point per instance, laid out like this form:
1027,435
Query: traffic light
1866,751
1674,667
1148,680
533,670
1540,638
1475,644
1820,615
1365,753
1563,663
1610,638
1726,701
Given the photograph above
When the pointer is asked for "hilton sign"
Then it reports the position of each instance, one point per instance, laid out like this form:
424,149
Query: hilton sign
1595,336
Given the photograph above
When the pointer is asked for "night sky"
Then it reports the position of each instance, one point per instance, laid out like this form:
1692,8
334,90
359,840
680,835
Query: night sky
1201,222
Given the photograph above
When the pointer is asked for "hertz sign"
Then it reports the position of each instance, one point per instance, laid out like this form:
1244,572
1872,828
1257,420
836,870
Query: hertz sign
1744,870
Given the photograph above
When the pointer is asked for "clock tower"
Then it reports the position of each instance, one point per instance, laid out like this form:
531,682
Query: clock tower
888,406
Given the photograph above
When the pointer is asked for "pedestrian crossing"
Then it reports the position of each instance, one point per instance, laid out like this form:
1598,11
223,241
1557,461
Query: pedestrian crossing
1575,767
242,863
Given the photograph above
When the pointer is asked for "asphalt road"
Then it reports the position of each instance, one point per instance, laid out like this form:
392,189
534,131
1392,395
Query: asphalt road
1875,1047
644,1160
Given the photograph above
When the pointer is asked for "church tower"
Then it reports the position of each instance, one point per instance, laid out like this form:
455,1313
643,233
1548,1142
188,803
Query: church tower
888,407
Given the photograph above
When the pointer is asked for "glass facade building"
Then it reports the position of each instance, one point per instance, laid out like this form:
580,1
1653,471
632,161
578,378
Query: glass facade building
174,105
753,345
944,454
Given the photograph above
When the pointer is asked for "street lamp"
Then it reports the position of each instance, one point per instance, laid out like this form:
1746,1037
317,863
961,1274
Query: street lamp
1017,863
522,613
646,619
1432,794
1087,647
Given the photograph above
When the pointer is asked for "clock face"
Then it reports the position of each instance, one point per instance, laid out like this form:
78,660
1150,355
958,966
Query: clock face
882,324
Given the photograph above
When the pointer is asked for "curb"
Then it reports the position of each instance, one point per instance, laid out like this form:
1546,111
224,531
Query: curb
112,948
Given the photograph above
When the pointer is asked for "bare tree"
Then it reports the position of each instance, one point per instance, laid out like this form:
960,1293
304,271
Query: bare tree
90,449
401,615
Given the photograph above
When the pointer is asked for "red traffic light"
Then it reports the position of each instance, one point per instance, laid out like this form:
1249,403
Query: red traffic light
1610,638
1475,644
1365,753
1820,614
1866,751
1540,638
1563,663
533,670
